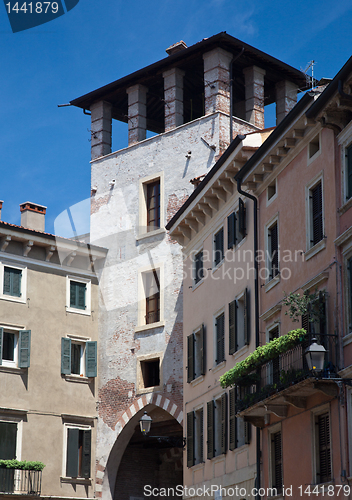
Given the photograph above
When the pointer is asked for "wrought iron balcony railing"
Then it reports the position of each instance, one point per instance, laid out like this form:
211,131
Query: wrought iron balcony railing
21,482
285,370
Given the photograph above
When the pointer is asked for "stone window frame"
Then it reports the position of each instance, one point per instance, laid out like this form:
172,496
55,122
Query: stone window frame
81,426
88,298
142,215
311,249
140,389
22,267
141,321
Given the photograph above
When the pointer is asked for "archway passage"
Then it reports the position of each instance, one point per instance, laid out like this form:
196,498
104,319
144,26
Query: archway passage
149,462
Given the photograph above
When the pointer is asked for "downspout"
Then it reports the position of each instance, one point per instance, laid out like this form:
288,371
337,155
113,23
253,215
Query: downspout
256,301
231,91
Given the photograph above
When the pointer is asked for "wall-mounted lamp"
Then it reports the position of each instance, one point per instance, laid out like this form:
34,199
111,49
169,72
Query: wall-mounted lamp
145,423
315,356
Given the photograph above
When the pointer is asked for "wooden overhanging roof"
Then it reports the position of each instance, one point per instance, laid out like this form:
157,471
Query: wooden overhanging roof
190,60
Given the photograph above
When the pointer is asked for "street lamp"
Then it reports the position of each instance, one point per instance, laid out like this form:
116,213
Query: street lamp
315,356
145,423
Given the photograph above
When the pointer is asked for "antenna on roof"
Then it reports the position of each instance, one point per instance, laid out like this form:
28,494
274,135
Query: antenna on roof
310,79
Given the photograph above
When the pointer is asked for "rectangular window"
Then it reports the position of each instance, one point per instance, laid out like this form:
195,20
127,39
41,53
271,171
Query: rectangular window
195,437
323,450
239,313
349,292
313,146
78,358
198,267
218,247
236,226
8,440
273,251
239,430
316,214
78,456
196,365
153,206
78,295
220,338
12,281
152,296
15,348
217,426
349,173
276,461
150,373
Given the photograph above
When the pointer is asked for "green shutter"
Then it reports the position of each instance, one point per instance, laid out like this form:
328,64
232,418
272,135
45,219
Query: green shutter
65,356
232,419
8,438
24,349
72,294
87,443
91,359
324,472
202,340
190,439
190,358
12,281
201,437
220,338
246,317
242,218
82,296
247,432
224,423
1,343
7,281
72,459
232,326
210,429
231,230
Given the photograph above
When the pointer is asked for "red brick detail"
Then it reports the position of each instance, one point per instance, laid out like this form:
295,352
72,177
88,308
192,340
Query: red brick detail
173,205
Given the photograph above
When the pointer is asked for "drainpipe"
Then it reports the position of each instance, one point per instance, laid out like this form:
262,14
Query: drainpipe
256,300
231,91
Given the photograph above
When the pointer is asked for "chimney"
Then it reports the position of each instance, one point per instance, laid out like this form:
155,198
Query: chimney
176,47
1,202
33,216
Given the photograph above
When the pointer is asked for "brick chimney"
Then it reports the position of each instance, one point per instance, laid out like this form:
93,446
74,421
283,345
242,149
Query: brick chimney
1,202
33,216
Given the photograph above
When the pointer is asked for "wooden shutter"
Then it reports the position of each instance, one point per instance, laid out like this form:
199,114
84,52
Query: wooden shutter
220,338
231,230
190,358
232,419
203,358
7,279
317,214
274,250
8,439
72,458
86,453
82,296
349,268
199,271
201,437
24,349
65,356
219,246
72,294
247,432
91,359
242,218
246,322
1,343
210,429
277,461
224,423
190,439
349,172
12,281
324,448
305,322
153,205
232,327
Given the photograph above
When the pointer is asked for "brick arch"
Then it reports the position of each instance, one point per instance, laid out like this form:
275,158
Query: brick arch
166,404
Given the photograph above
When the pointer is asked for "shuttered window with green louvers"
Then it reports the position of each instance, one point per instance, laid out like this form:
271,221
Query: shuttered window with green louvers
8,341
273,251
12,282
67,365
78,456
276,461
219,247
220,338
78,295
349,173
190,439
316,198
239,327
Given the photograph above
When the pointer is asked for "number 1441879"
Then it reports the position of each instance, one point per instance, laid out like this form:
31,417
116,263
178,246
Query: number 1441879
332,490
33,7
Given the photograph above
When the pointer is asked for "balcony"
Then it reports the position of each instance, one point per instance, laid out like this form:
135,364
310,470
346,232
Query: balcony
286,380
20,482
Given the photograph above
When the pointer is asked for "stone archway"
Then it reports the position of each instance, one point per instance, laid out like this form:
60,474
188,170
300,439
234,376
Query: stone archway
125,439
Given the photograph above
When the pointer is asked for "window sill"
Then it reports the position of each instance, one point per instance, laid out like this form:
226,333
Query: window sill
273,282
197,285
347,339
346,206
141,328
198,466
85,312
76,480
9,298
237,354
314,250
219,366
77,379
217,266
197,380
12,369
155,388
142,236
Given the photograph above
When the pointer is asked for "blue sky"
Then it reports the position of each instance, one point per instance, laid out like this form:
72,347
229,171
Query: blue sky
45,150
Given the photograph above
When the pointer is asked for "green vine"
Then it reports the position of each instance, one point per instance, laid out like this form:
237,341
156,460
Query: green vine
262,355
23,465
299,305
